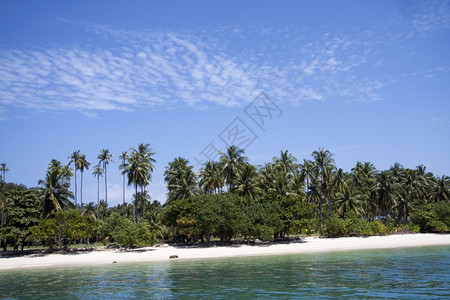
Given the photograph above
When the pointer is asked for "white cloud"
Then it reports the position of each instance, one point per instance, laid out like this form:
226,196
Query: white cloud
163,69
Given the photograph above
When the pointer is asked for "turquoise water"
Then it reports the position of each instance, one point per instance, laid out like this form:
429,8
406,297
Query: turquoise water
408,273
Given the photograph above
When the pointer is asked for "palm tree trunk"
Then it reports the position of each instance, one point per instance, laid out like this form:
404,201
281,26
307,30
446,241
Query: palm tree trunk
123,194
81,189
134,203
106,194
142,202
98,191
75,185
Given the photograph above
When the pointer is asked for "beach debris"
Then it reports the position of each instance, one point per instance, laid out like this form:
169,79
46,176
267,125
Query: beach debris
173,256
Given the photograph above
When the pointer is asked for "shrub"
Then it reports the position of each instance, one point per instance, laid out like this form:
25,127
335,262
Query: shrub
123,232
264,233
335,227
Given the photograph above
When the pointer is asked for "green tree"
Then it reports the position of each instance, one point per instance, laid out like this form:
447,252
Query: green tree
74,158
386,189
124,157
349,200
221,215
65,228
286,162
324,164
364,175
98,172
232,161
246,183
3,204
411,191
104,159
441,190
22,213
55,194
180,179
83,164
139,169
308,172
211,177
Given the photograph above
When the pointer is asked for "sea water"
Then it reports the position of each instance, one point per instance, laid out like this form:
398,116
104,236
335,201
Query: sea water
405,273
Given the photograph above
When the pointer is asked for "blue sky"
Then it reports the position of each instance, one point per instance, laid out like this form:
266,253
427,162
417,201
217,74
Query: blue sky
368,80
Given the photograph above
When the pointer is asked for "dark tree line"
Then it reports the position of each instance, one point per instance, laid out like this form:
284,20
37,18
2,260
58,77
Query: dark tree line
228,199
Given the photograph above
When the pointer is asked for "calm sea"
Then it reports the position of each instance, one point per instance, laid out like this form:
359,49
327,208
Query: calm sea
408,273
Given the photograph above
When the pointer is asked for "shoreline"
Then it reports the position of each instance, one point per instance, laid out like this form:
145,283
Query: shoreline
163,252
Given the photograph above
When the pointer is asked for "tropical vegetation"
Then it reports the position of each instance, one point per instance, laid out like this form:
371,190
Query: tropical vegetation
226,200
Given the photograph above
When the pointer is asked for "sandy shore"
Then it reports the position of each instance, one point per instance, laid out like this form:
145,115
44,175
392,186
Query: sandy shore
162,253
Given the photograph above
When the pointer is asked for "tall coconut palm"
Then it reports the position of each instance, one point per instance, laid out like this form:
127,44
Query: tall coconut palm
411,190
286,161
307,171
146,153
56,188
3,169
233,160
386,193
211,177
98,172
123,167
340,181
365,180
441,190
139,169
266,178
324,164
105,157
83,165
180,179
246,183
74,158
429,183
349,200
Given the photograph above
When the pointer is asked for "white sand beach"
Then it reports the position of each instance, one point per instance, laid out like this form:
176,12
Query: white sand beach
163,252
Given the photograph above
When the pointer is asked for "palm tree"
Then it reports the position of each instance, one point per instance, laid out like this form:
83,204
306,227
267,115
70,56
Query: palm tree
324,165
3,169
146,153
307,171
441,190
232,161
364,177
83,165
246,183
139,169
340,181
74,158
122,167
298,184
266,178
412,185
285,162
181,180
56,188
349,200
104,159
429,183
211,177
98,172
386,193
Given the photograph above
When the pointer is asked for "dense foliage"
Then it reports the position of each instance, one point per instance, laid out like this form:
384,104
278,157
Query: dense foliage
228,199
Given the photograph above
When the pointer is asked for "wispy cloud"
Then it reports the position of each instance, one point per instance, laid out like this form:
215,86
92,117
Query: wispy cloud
225,66
431,16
